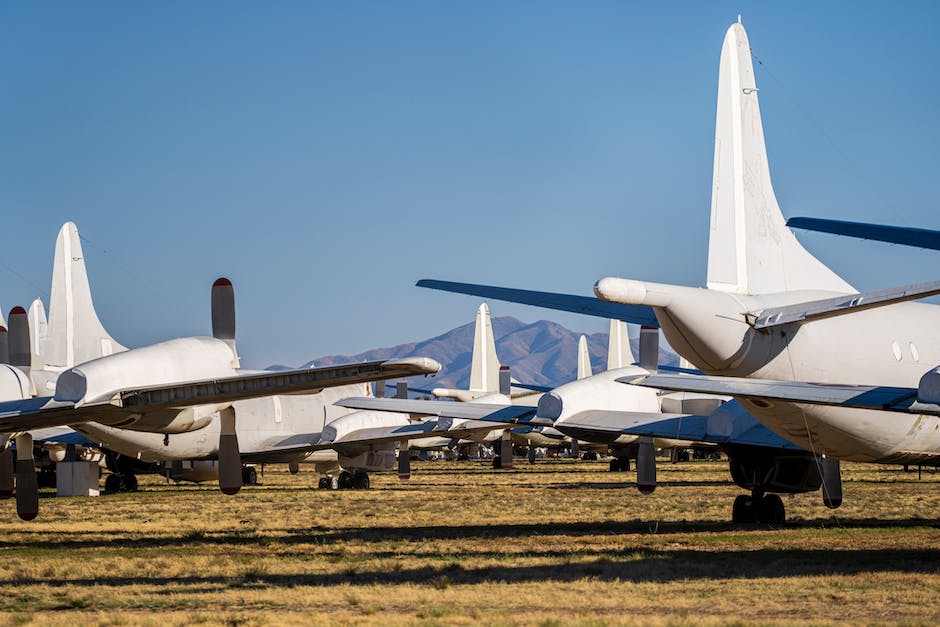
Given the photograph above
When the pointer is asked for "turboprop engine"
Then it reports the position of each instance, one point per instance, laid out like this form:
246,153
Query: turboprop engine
376,458
174,361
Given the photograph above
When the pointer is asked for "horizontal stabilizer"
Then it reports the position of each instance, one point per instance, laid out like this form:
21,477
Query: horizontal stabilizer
586,305
906,236
861,396
446,409
841,305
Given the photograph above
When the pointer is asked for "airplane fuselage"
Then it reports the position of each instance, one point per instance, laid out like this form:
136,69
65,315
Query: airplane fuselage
888,346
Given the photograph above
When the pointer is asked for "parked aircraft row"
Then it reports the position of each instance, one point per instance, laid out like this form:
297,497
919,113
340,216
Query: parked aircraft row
833,373
779,377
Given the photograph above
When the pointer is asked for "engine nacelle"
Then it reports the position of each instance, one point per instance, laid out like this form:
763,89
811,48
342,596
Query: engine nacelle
176,361
336,430
598,393
14,384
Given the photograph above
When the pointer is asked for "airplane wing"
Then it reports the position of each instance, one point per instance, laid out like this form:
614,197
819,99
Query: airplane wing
587,305
840,305
895,399
356,440
41,412
490,412
919,238
713,430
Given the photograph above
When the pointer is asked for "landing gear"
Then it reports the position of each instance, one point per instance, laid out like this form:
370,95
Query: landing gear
249,475
360,480
357,480
590,456
767,509
116,482
620,464
531,454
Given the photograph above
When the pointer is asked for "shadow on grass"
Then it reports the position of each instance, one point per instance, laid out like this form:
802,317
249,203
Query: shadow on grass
38,540
629,567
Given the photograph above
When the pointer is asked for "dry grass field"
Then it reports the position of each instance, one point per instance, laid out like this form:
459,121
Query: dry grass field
560,542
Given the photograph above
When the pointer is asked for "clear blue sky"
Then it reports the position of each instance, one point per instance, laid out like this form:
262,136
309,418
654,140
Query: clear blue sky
326,155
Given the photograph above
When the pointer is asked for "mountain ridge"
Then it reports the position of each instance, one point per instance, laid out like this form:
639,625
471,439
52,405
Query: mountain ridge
538,353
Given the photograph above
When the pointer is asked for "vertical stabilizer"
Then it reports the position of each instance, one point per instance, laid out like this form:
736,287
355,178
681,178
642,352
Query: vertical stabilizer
38,328
74,333
584,359
750,249
619,354
484,365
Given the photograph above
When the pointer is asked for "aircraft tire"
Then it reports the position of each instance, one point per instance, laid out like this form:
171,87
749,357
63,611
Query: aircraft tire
333,483
345,480
324,483
360,480
249,475
743,512
113,484
770,510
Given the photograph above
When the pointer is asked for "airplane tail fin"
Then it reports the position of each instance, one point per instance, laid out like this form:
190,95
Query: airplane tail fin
750,249
74,334
584,359
619,354
484,365
38,327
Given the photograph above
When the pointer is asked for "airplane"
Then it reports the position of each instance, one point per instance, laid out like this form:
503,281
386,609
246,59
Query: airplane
773,320
185,398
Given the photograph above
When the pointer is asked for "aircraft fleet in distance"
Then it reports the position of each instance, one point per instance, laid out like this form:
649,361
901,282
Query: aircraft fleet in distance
773,374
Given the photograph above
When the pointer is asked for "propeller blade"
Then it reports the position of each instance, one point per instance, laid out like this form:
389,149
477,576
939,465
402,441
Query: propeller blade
505,381
832,482
404,461
4,345
27,484
646,466
6,473
649,348
223,311
18,338
230,459
505,450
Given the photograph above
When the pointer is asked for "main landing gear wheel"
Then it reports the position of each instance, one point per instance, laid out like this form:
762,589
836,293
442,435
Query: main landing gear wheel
345,480
767,509
360,480
324,483
620,464
115,483
249,476
333,483
590,456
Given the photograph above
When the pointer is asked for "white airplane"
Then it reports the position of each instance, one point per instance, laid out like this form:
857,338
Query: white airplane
177,399
843,374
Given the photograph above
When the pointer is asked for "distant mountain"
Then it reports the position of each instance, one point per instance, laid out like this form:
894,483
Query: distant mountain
541,353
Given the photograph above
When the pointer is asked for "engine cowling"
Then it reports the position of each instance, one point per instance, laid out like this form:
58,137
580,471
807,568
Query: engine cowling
175,361
14,384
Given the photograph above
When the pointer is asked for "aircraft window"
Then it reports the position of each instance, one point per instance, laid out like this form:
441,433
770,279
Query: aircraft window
897,350
914,354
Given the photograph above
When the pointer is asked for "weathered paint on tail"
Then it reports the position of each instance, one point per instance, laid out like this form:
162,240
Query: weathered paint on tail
750,249
74,334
